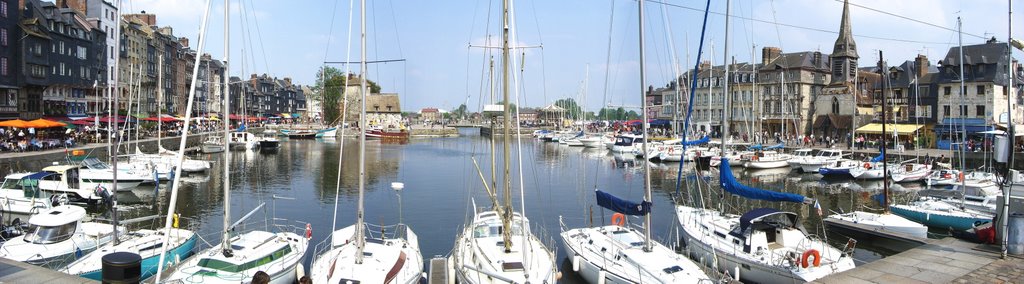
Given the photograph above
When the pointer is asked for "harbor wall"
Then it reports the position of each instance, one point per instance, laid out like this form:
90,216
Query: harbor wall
36,160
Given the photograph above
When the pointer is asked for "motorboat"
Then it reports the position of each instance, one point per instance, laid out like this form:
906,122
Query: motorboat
872,170
937,213
825,157
20,195
243,140
57,237
886,222
799,155
67,180
146,243
95,173
840,168
626,143
592,141
277,254
764,244
269,142
213,144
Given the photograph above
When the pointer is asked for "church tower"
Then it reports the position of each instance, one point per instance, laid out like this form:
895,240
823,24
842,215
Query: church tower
844,53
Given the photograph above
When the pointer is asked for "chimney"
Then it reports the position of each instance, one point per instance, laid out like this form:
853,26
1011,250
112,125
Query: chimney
288,81
704,65
183,41
817,58
921,63
768,54
77,5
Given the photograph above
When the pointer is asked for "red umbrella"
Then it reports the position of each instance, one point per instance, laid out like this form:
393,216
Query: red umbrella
161,119
84,122
108,119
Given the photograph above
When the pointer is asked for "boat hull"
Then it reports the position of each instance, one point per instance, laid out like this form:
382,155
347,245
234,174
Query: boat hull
149,264
938,219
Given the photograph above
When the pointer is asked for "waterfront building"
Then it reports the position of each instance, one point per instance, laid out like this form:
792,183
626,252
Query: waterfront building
383,111
184,62
430,114
102,15
789,84
10,33
834,105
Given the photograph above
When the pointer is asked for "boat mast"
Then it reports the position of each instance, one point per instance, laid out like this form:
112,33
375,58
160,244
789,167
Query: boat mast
160,105
963,112
885,164
1011,78
648,247
113,127
225,243
725,89
506,220
360,234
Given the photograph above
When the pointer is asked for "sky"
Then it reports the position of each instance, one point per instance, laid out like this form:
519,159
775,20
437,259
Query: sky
583,49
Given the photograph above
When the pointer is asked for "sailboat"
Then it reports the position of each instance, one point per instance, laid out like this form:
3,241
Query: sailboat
148,244
945,213
363,253
885,221
239,255
763,245
635,257
498,245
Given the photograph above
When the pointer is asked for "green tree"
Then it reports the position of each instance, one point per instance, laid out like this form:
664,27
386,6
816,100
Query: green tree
460,111
573,110
330,84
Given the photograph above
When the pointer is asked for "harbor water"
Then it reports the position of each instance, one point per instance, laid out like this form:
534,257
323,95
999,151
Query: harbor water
297,184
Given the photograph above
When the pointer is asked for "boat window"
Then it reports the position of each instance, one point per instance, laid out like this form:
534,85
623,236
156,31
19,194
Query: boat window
10,184
50,235
229,267
672,269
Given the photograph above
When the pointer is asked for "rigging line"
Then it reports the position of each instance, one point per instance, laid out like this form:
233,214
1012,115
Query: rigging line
373,34
330,30
607,63
793,25
247,37
259,35
909,18
689,105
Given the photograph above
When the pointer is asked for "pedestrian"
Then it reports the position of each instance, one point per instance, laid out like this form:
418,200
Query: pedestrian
260,278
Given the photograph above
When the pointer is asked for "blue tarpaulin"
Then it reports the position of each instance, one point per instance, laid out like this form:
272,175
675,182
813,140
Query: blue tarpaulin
616,204
730,185
704,140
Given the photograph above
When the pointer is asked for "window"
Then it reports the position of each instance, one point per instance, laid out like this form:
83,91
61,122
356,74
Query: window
3,35
3,9
945,109
980,111
835,105
52,234
3,66
963,111
981,89
947,90
82,52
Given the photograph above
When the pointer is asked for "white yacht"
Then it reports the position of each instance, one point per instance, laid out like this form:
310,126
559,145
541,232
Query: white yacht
20,195
57,237
824,157
476,258
880,222
213,144
66,180
799,155
277,254
768,160
243,140
911,172
391,258
626,143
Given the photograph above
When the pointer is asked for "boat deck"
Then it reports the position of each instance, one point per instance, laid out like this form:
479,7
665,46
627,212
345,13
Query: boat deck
938,261
861,228
17,272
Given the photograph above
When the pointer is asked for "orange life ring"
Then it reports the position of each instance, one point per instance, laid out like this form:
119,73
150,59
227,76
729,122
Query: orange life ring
619,219
960,177
671,150
867,165
808,254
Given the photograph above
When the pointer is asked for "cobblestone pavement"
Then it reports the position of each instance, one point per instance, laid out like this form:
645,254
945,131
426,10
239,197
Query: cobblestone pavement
1010,270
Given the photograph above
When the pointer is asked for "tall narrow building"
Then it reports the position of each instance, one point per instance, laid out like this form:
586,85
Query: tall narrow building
834,106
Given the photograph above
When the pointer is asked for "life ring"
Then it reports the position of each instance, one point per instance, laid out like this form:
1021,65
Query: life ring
867,165
671,150
754,158
619,219
808,254
960,177
309,231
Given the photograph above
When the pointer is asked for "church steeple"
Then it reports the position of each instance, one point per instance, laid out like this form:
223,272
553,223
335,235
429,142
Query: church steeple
844,53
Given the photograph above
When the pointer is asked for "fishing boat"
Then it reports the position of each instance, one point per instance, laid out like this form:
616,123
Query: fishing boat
329,132
298,134
57,237
362,252
379,133
243,140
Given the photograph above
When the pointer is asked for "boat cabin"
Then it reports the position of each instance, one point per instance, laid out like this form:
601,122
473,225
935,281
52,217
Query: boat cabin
628,140
831,154
768,229
261,244
803,153
54,226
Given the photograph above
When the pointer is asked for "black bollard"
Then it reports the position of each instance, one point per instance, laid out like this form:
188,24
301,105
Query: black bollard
122,267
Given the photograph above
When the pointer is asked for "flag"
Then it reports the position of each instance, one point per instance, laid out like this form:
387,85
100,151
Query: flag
817,207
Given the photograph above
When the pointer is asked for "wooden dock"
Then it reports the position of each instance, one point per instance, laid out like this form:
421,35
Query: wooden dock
18,272
938,261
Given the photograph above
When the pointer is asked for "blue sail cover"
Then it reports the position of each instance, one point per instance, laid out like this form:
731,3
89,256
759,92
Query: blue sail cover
878,158
704,140
776,146
755,147
730,185
627,207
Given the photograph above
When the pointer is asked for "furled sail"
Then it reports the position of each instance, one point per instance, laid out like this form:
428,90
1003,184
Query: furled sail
878,158
730,185
703,140
616,204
